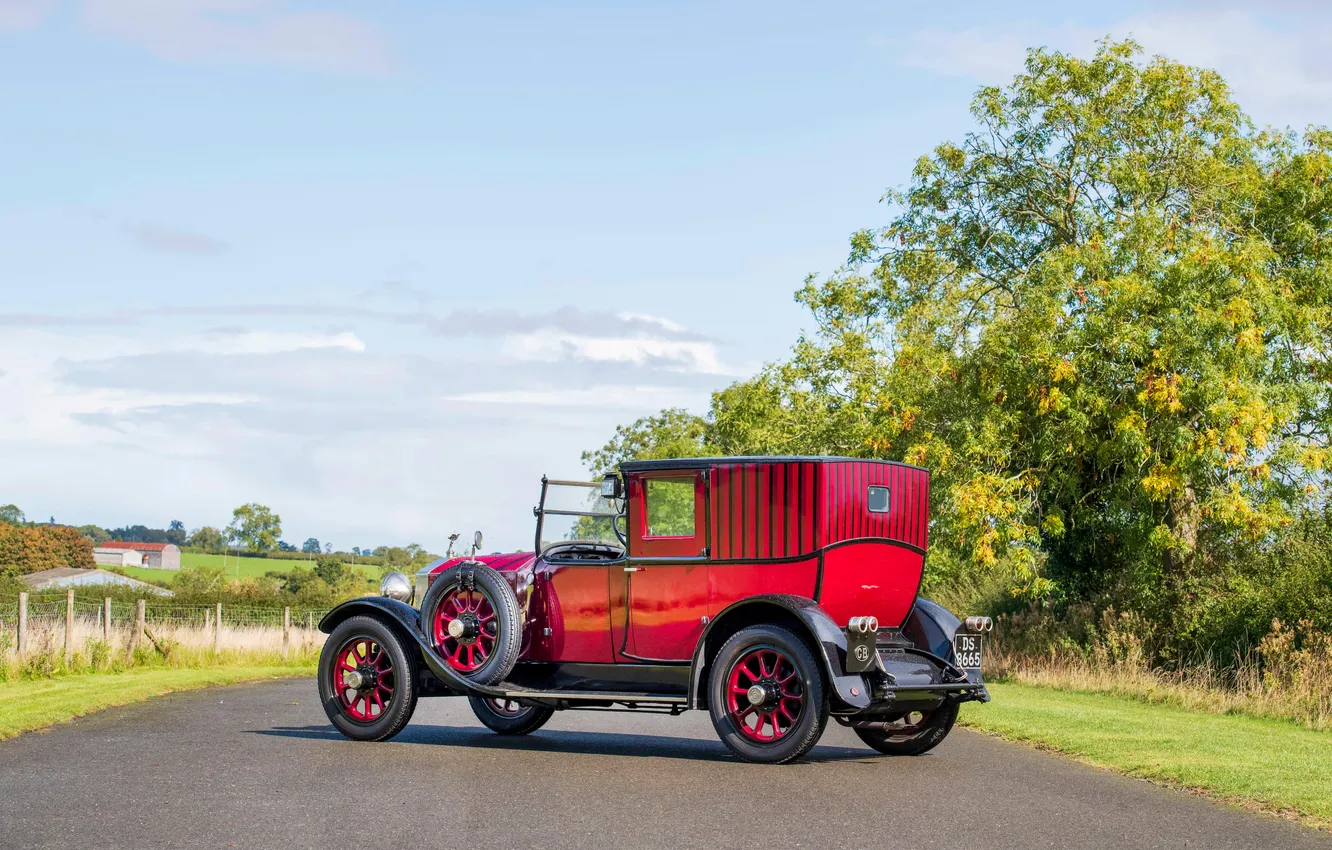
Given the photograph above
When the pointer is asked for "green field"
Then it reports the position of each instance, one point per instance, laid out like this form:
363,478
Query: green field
237,567
1273,765
31,704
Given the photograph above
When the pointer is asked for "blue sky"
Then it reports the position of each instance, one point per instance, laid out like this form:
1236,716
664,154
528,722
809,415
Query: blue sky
381,265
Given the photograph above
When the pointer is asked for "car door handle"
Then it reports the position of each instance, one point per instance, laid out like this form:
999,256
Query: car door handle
633,569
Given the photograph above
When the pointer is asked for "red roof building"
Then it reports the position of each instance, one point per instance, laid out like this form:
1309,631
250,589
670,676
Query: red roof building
157,556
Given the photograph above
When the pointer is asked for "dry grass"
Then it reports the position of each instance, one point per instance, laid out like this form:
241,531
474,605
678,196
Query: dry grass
184,645
1289,676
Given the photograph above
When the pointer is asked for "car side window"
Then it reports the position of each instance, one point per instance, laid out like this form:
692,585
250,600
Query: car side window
669,507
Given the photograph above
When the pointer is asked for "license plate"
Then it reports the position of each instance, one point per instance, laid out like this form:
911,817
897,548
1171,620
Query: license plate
967,651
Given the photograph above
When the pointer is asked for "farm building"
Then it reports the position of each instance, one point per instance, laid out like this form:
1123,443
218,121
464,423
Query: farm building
63,577
157,556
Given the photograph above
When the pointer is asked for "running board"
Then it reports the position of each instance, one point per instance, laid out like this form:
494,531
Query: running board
593,696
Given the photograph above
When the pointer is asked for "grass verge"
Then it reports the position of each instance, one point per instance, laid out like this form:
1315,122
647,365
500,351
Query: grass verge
1260,763
34,703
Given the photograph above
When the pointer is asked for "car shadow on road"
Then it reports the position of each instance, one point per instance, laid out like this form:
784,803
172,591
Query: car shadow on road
560,741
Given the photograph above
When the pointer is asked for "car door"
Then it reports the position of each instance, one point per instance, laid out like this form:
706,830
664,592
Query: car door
666,576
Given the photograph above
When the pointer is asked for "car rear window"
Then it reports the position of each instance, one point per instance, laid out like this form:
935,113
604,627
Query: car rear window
878,500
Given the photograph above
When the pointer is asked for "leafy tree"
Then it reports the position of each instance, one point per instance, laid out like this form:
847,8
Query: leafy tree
208,538
94,533
176,533
11,515
256,526
356,550
1103,320
672,433
139,534
330,570
311,546
284,546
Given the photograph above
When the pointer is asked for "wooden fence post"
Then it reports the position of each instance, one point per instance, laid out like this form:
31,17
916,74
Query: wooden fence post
217,631
23,625
286,633
69,627
140,621
106,622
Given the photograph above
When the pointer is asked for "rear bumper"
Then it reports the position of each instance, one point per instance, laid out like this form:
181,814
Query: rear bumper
907,678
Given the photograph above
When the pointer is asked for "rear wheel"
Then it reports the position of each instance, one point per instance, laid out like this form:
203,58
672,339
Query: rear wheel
367,680
914,733
766,695
508,717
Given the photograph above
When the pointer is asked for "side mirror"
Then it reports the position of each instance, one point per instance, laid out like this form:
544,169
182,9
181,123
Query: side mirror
612,487
476,542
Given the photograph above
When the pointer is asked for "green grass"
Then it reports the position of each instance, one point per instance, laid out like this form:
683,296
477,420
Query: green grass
1272,765
34,703
236,567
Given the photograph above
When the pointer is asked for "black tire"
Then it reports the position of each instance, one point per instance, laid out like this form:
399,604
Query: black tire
915,737
804,732
512,719
507,637
368,643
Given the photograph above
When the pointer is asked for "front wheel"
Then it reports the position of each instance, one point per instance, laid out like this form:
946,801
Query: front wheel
912,734
766,695
508,717
367,680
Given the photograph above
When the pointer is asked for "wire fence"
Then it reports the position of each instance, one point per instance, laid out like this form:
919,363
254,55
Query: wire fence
165,613
79,629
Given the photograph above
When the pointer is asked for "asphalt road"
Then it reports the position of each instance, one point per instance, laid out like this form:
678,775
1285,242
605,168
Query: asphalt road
258,766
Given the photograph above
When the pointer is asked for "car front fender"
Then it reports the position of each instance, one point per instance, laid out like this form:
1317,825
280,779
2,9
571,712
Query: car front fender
408,621
402,613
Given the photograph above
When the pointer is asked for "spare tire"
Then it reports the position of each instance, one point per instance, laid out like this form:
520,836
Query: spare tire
472,618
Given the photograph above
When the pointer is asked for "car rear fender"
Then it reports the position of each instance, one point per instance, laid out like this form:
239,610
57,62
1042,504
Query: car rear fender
802,616
931,627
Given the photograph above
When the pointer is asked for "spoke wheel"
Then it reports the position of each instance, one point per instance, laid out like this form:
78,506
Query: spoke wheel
912,734
769,672
475,610
473,622
365,680
510,717
766,695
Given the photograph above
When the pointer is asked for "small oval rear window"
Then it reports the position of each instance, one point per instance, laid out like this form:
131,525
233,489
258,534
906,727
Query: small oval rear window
878,500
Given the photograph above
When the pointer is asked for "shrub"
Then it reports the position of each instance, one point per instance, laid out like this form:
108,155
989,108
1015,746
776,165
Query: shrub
33,548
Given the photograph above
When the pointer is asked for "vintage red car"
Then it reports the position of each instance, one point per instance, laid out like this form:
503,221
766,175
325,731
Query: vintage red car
775,592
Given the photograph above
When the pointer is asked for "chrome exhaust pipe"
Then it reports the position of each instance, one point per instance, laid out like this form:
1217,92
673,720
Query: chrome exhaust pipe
978,624
863,625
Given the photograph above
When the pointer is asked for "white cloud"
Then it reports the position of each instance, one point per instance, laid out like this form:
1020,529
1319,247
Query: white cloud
242,31
361,436
269,342
22,14
616,397
1280,73
552,345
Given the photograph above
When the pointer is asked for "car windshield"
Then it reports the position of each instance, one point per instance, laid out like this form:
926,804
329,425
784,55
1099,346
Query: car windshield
576,510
